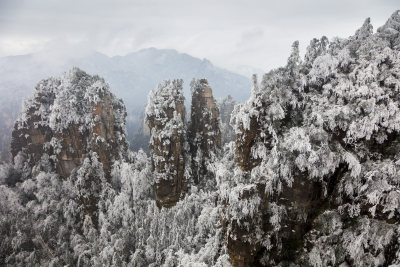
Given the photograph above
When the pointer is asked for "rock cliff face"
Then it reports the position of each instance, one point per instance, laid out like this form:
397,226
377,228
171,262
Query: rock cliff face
226,106
68,118
204,129
75,127
165,116
175,162
313,178
315,144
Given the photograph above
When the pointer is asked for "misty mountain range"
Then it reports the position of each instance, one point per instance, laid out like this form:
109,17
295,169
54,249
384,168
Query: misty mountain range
131,77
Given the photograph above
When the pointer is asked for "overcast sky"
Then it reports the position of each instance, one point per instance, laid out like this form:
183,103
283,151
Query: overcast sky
230,33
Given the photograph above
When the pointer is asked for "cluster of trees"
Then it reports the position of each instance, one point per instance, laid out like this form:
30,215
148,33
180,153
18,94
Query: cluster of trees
331,119
335,113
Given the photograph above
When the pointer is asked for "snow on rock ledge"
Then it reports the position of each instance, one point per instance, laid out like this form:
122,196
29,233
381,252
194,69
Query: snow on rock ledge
67,118
165,116
319,140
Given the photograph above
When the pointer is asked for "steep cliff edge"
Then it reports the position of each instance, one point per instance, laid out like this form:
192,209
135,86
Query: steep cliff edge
313,178
66,119
317,152
165,116
180,153
204,133
226,106
73,126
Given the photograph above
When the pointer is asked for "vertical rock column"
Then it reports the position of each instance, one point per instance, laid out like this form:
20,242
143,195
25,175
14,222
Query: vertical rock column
204,129
165,115
53,122
226,107
73,126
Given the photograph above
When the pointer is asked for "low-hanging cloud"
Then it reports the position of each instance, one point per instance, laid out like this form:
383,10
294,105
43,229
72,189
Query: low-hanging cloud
229,33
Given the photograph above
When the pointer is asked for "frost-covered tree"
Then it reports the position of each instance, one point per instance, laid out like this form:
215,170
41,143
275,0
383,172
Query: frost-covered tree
226,106
311,180
204,131
320,138
165,116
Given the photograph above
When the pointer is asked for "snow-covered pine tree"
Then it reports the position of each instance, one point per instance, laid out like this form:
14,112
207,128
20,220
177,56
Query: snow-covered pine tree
329,166
312,179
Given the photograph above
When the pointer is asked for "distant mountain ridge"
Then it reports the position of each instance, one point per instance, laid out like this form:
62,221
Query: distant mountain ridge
141,70
131,77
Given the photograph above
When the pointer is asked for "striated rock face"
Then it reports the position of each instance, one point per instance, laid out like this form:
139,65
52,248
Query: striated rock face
249,134
244,142
226,106
170,153
204,130
299,200
165,116
243,226
66,119
317,151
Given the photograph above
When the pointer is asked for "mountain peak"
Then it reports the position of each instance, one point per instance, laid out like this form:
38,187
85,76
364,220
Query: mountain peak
365,30
69,117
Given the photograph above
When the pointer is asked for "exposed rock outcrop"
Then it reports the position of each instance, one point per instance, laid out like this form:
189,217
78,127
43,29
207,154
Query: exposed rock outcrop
165,116
249,134
73,126
66,119
204,129
314,146
226,106
312,180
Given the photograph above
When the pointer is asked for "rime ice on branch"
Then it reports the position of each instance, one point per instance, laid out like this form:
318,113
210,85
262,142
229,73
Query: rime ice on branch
165,116
69,117
318,150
